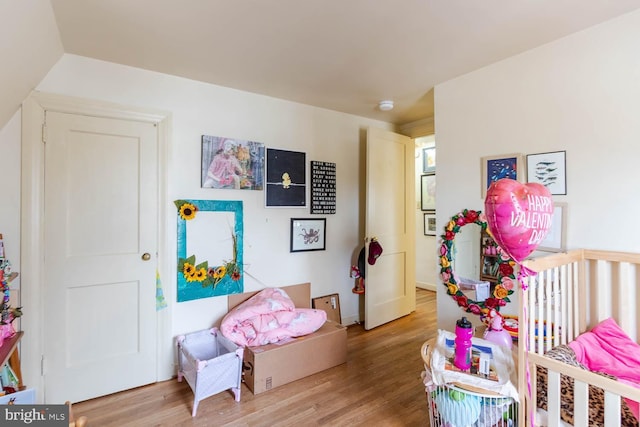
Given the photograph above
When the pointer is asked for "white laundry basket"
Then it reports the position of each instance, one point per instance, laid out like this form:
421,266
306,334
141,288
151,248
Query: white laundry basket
457,405
452,406
210,363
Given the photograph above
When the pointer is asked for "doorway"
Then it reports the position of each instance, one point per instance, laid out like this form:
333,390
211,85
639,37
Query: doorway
426,240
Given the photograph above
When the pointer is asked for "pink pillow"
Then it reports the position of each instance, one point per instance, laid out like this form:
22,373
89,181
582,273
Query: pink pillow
607,348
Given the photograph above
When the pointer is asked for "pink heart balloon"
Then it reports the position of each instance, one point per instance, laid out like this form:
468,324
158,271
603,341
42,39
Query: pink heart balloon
519,216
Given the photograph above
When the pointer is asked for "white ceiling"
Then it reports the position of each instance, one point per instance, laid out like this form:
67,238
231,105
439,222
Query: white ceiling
344,55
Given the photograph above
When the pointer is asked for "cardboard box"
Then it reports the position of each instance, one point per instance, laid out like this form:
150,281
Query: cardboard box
273,365
330,304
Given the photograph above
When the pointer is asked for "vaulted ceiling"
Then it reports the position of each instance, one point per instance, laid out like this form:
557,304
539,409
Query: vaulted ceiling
343,55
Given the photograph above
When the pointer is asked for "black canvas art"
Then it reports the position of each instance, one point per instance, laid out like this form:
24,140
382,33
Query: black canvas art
286,179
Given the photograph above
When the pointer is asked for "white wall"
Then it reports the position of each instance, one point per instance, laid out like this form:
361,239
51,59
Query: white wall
198,109
10,197
580,94
29,46
426,261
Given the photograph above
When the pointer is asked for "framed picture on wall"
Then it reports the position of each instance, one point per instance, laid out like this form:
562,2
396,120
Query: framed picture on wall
548,169
556,239
308,234
231,163
210,248
428,192
429,159
286,184
495,168
430,224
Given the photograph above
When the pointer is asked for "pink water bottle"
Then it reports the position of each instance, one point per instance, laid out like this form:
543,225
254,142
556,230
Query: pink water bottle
464,332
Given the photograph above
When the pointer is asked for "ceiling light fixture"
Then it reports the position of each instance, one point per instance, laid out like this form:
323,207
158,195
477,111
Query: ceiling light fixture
385,105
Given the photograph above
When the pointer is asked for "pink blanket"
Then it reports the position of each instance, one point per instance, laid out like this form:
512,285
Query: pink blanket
268,317
607,348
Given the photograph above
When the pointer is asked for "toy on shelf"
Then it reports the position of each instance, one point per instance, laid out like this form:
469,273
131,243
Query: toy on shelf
7,313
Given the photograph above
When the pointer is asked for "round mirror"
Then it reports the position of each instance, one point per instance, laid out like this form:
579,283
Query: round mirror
476,295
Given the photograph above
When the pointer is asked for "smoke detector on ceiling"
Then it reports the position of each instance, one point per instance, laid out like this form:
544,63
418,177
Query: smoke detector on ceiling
386,105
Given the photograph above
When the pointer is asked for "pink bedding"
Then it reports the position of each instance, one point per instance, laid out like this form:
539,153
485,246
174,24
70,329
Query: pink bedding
268,317
607,348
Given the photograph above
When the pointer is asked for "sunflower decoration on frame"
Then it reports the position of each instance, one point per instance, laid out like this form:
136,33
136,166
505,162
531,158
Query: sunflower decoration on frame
205,275
505,275
186,210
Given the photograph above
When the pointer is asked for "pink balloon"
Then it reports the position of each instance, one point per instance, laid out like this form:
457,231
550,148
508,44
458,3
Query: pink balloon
519,216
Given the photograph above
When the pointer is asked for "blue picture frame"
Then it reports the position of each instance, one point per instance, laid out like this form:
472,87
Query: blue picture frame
495,168
210,242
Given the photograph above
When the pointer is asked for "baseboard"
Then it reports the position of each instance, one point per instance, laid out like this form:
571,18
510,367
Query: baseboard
350,320
427,286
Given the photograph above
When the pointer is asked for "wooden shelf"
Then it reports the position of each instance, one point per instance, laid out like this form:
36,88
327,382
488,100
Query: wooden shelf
488,261
9,354
8,346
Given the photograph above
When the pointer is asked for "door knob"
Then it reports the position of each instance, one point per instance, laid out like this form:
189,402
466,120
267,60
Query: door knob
146,256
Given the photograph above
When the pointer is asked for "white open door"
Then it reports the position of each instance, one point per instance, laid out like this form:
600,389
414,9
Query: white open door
390,217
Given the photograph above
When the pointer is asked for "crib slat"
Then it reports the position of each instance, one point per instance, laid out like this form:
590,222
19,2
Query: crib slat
618,279
542,322
572,285
553,395
556,300
611,410
624,293
582,294
564,310
533,313
581,403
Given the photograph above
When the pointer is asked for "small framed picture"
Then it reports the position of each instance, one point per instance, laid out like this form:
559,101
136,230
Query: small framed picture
428,159
548,169
556,239
430,224
495,168
428,192
308,234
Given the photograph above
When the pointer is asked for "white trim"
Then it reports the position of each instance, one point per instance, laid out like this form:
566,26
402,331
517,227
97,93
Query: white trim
166,347
31,244
351,320
427,286
32,214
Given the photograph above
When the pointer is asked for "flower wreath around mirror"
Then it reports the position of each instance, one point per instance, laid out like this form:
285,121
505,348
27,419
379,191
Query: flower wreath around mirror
506,279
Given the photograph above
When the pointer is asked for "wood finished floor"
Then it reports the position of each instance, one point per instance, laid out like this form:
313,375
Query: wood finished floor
379,385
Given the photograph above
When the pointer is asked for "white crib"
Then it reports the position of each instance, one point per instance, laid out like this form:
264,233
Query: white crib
572,293
210,363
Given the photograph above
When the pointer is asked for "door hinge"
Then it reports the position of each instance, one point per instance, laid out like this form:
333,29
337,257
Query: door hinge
44,132
42,365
